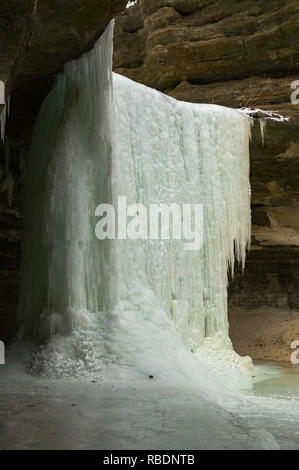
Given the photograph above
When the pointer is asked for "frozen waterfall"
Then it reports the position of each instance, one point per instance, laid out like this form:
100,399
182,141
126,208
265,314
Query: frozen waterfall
130,306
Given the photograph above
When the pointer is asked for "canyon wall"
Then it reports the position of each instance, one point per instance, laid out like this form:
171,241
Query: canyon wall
237,54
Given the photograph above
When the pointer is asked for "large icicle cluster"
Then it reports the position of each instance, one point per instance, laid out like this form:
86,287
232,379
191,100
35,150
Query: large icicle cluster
167,151
130,306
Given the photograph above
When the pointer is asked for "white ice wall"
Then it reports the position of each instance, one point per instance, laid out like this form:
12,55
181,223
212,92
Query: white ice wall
130,307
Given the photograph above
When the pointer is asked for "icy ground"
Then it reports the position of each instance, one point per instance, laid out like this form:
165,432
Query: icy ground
280,380
150,414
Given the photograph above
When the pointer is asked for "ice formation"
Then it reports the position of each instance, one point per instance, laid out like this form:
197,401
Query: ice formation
131,3
130,306
263,117
4,114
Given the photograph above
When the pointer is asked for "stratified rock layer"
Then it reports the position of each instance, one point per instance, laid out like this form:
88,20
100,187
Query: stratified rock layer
237,54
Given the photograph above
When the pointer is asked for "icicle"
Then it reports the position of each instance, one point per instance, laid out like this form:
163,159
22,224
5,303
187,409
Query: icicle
3,118
4,114
183,152
3,122
2,92
263,117
262,129
8,107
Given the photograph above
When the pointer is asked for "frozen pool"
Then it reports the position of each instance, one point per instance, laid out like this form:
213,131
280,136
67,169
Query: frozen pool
275,379
40,413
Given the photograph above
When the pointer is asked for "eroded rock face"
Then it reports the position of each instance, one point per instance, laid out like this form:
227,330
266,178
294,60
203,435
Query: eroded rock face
16,21
36,38
237,54
207,41
63,30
